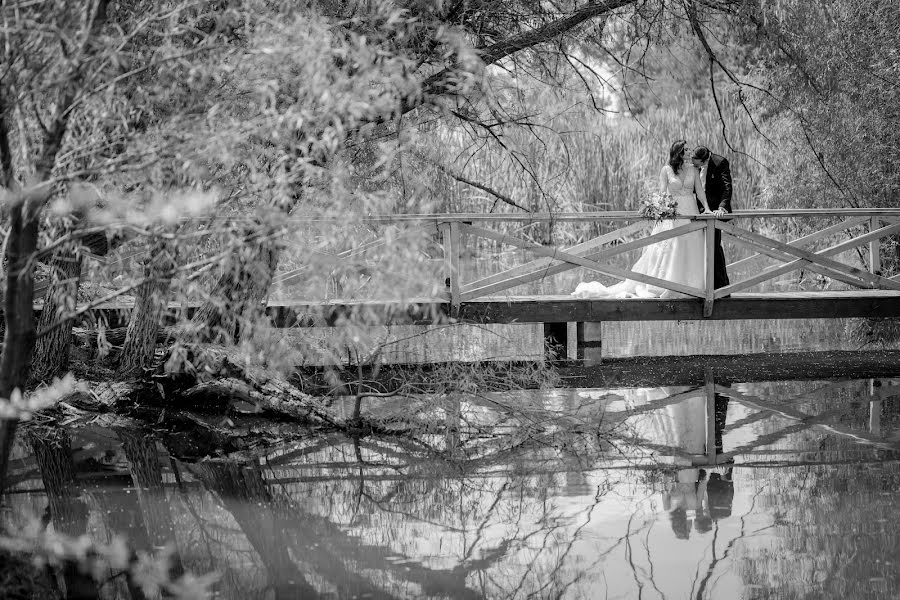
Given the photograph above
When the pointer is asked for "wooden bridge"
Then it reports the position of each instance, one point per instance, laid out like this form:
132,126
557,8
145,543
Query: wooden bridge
852,287
863,292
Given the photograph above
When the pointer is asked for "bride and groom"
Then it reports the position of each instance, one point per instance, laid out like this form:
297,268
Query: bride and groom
702,181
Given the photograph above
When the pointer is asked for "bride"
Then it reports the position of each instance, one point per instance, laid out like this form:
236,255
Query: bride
680,259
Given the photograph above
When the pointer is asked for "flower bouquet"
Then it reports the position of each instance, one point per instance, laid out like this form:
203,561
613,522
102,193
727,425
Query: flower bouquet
658,206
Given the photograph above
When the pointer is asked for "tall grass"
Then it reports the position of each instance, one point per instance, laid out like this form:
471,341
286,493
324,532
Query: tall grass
580,160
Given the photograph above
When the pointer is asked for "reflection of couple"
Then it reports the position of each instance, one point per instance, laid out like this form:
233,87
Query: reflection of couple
703,182
701,495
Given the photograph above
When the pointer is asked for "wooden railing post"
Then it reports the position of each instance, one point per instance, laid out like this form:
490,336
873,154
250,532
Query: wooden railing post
875,249
710,389
710,267
451,240
875,407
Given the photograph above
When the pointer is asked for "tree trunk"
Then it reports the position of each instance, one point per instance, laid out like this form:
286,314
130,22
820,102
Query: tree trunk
18,314
146,472
243,493
53,454
150,303
22,242
51,354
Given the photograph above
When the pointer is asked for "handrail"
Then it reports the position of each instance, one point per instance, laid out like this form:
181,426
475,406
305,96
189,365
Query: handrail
595,216
588,255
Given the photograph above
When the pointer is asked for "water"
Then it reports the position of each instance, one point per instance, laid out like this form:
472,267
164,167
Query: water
780,489
409,344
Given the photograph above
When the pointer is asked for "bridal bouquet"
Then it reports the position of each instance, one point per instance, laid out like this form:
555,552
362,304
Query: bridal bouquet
658,206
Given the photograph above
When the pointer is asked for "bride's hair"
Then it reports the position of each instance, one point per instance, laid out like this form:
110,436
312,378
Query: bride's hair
676,155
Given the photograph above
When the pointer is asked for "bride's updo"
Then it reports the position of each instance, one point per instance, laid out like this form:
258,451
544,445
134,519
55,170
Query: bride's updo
676,155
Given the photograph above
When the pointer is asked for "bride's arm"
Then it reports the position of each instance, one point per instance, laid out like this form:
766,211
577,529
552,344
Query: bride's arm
701,193
663,180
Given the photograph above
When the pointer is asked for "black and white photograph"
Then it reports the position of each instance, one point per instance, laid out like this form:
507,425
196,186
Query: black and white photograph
449,299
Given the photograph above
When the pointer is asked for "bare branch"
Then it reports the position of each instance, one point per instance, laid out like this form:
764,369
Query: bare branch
499,195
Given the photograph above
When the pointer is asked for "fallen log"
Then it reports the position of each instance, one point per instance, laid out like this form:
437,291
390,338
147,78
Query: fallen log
115,336
270,396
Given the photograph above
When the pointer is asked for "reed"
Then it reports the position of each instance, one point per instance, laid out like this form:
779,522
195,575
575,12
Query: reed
582,160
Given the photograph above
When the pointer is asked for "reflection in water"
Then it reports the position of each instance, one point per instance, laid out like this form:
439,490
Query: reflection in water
66,510
524,341
683,338
779,489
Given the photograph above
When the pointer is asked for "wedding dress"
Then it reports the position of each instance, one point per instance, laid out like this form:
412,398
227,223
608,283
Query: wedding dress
681,259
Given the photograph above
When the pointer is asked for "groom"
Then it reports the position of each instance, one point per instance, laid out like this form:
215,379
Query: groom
716,175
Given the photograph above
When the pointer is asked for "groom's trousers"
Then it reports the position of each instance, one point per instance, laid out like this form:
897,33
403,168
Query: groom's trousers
720,274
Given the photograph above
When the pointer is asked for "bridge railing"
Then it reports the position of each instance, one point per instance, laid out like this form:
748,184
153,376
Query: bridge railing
595,253
861,228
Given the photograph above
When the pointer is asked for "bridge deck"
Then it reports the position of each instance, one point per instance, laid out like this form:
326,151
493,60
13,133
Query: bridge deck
565,308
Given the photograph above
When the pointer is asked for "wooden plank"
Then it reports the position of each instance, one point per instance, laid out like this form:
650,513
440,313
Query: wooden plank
290,276
804,241
590,262
710,387
773,272
815,260
875,408
658,404
447,248
870,303
710,268
540,309
790,413
381,241
541,265
622,274
875,249
452,247
768,244
769,274
859,240
580,341
578,217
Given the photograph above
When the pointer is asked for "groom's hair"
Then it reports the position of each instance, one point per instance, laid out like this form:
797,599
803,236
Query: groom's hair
701,153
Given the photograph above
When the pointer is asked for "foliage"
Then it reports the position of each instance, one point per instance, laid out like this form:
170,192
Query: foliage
53,550
22,406
831,108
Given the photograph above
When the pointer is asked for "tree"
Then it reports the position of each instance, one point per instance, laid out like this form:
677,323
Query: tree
246,114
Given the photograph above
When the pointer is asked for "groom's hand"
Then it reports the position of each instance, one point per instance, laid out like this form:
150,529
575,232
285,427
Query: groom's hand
720,212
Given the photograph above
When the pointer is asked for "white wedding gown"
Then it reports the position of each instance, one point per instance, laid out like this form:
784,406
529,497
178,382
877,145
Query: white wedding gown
681,259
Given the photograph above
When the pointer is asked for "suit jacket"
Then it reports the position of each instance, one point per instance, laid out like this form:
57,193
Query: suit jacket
718,183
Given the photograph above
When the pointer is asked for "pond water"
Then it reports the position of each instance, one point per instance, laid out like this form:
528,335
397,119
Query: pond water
783,489
465,342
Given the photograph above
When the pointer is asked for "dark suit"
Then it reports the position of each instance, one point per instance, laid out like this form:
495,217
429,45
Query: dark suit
718,194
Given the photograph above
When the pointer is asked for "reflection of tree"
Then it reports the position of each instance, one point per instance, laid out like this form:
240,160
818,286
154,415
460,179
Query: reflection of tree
835,532
286,536
245,495
146,473
68,512
485,522
428,490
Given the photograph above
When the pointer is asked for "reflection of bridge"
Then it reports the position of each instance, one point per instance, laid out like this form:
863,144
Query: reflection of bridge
843,252
707,452
378,517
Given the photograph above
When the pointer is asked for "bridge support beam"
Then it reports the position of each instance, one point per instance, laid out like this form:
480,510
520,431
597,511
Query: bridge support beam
573,341
875,249
590,342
